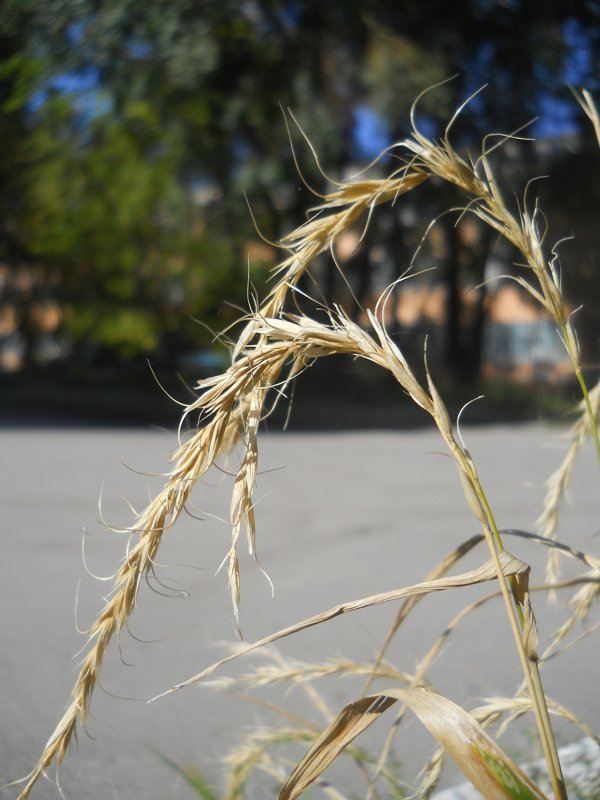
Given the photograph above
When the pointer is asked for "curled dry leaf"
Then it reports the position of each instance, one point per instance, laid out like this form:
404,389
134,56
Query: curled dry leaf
486,765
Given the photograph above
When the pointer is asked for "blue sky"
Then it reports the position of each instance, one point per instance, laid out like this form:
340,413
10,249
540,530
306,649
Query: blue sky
556,116
371,134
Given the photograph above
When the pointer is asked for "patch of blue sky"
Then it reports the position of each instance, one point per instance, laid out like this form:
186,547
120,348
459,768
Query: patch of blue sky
371,134
475,71
558,116
139,48
427,126
290,14
578,66
76,30
79,81
83,89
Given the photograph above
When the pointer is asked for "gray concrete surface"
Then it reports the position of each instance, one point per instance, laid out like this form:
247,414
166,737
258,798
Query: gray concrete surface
340,516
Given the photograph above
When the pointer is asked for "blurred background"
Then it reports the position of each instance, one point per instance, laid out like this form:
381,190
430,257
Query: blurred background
149,164
135,136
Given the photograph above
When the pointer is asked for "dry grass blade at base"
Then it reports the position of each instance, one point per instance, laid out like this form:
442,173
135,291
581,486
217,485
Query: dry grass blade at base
408,605
511,566
253,755
303,675
516,704
419,676
349,723
488,768
586,558
583,600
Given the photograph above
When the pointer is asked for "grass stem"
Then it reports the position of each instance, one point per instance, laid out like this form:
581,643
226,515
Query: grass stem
513,602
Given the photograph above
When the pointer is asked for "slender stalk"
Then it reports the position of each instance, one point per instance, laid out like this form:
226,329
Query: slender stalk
590,411
500,547
528,664
517,606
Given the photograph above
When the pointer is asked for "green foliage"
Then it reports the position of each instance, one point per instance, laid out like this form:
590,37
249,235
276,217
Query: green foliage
104,208
508,779
23,74
190,92
125,330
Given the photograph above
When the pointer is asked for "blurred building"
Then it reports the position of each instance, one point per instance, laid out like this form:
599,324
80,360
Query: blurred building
30,319
519,340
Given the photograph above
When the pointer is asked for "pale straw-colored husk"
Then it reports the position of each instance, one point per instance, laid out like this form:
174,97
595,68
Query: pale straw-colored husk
275,347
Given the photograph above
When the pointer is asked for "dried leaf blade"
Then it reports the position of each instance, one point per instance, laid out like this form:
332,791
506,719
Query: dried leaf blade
484,763
350,722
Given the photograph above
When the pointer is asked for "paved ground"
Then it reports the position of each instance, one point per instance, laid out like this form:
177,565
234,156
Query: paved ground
340,516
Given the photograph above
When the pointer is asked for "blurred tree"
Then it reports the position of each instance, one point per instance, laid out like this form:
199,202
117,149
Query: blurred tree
98,200
527,56
105,208
21,72
185,117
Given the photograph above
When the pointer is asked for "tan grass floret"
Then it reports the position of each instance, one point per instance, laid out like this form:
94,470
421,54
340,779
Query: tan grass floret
273,348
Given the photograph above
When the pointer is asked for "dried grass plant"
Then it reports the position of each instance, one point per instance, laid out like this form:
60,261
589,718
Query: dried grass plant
276,345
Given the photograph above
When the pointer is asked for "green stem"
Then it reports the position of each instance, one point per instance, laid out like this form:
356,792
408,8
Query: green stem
500,548
590,411
529,665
